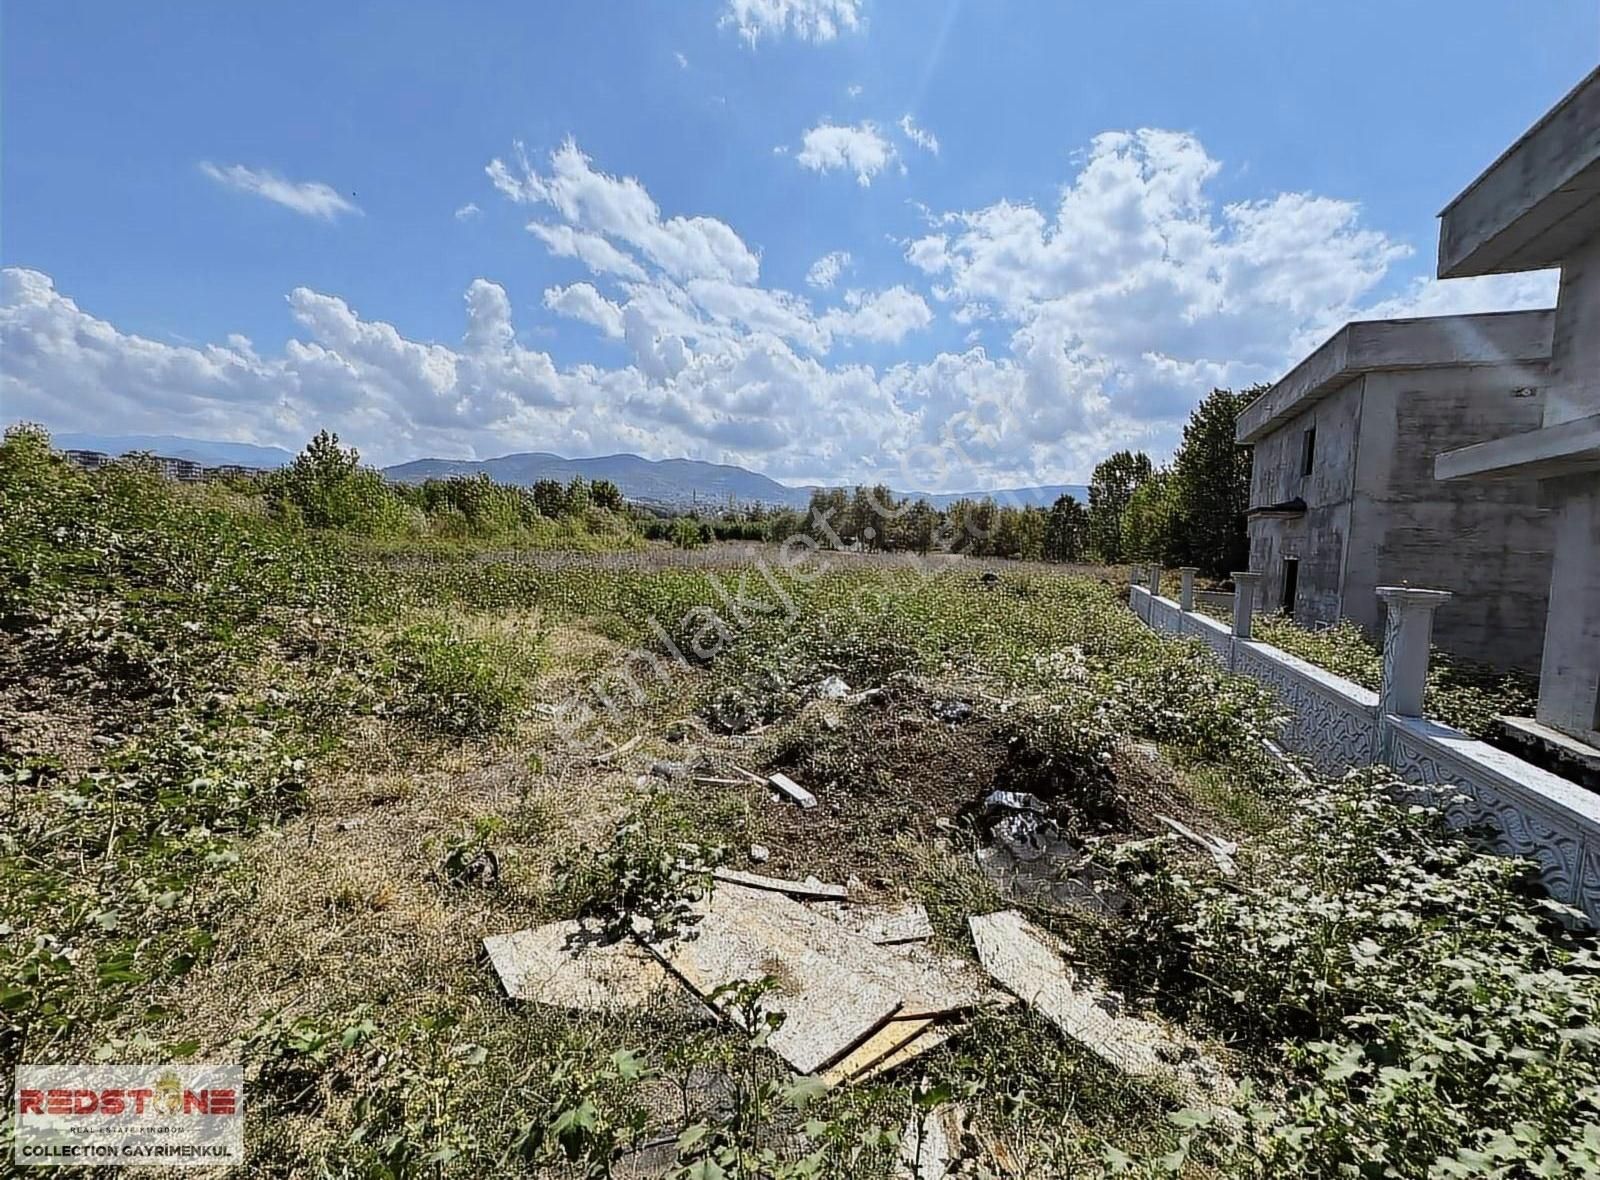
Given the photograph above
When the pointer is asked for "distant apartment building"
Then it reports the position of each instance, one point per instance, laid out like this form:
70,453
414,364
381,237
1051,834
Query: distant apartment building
1343,496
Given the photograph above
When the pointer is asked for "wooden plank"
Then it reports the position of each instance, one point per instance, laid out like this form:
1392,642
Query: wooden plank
807,889
829,982
870,1052
793,789
1028,961
923,1042
933,984
885,925
546,965
617,751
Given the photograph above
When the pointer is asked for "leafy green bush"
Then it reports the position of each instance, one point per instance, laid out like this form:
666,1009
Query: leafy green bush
1459,693
1435,1016
457,683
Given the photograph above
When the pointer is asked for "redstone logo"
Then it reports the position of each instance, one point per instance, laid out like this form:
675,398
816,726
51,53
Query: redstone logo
189,1115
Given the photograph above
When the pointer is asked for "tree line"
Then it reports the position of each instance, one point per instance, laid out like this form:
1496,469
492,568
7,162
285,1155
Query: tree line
1191,512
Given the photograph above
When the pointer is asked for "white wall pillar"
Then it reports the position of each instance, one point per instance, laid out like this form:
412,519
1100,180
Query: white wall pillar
1407,638
1186,590
1245,585
1155,580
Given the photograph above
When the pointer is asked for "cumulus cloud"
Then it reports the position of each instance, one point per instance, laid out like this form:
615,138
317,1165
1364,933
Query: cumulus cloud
859,149
621,208
309,198
807,20
826,270
923,138
468,211
1107,314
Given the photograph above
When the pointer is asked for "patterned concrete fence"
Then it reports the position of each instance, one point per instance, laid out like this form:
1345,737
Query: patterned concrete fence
1337,725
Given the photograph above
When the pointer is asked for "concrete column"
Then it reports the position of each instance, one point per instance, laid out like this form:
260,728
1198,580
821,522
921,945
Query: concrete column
1407,636
1155,580
1569,681
1186,591
1136,575
1245,585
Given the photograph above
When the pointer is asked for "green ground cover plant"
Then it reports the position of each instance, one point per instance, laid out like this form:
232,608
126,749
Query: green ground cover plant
1459,693
267,785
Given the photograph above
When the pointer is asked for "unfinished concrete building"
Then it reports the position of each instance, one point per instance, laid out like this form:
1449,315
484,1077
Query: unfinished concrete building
1343,495
1538,206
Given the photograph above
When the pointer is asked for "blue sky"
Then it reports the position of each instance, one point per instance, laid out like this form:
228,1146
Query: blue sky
1052,226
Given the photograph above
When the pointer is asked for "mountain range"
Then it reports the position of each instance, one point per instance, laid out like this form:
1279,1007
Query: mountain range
668,482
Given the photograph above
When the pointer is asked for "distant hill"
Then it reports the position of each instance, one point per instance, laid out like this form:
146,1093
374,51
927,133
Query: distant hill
672,482
174,446
1041,496
683,481
659,481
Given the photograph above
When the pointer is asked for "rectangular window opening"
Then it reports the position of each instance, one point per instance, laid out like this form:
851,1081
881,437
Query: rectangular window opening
1291,584
1308,451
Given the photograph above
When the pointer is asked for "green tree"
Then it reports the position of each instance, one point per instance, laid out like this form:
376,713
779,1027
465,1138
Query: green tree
1152,522
1066,532
916,528
1110,488
549,497
605,494
327,488
1211,474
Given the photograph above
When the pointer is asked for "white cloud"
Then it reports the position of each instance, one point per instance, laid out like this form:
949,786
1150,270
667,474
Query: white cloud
683,62
622,209
826,270
1508,292
859,149
468,211
310,198
886,317
599,255
923,138
581,301
1107,315
808,20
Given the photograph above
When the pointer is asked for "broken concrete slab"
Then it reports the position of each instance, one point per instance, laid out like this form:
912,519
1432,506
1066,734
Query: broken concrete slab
559,964
810,888
1030,962
829,982
907,921
931,1145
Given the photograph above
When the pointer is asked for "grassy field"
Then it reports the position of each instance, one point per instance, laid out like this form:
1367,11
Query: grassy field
269,789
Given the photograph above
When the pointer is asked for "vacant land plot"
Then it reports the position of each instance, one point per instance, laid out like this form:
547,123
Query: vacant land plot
270,793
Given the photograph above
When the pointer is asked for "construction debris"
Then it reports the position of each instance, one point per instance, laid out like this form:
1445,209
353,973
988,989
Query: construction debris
884,925
1028,961
760,854
560,964
618,750
1220,850
793,789
809,888
823,973
930,1145
833,689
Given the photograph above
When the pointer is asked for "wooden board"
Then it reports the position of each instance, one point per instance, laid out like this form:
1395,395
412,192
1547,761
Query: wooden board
884,925
922,1043
892,1036
812,889
793,789
1028,961
544,964
834,987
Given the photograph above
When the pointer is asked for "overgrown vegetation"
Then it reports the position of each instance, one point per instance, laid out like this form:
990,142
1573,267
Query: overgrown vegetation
269,785
1459,693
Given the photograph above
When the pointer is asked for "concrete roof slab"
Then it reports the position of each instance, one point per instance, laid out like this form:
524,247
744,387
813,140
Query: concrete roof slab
1368,346
1537,201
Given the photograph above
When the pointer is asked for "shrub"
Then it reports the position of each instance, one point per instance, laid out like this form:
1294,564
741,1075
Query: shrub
456,683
